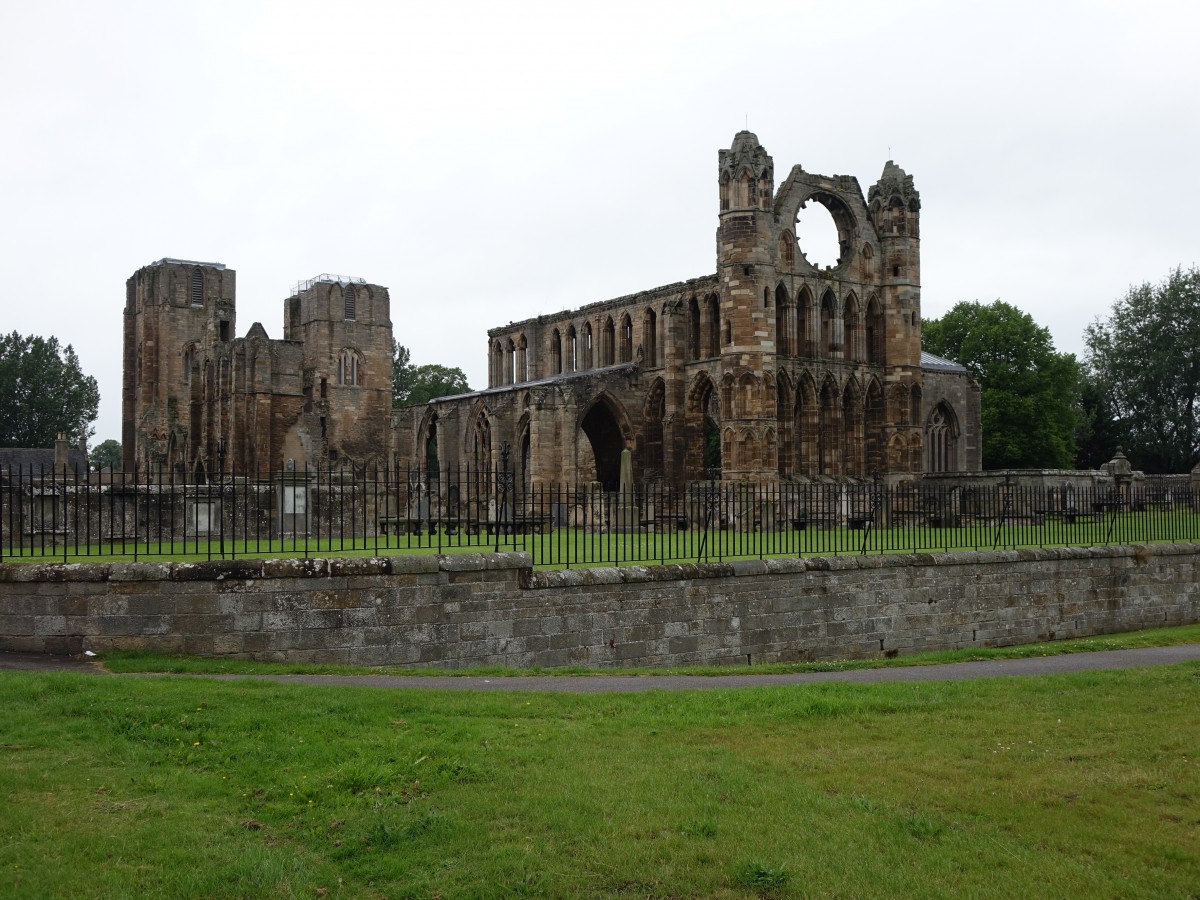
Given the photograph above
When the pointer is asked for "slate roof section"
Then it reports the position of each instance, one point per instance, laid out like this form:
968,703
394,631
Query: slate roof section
940,363
35,461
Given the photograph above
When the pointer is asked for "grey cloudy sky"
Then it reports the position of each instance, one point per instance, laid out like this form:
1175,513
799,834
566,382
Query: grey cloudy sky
488,162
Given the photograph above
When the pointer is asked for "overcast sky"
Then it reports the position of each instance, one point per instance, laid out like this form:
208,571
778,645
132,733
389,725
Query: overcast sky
488,162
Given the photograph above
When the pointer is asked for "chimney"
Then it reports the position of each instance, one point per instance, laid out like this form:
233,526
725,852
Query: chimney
62,454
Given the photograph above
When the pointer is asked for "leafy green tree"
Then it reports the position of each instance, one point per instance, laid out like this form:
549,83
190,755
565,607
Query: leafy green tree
1145,361
401,374
413,385
106,455
1028,390
43,391
1099,434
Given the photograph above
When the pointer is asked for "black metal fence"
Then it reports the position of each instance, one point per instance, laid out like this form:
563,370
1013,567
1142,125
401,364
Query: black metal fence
309,512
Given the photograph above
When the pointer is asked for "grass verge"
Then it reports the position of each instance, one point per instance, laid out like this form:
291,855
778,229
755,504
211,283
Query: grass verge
1064,786
144,661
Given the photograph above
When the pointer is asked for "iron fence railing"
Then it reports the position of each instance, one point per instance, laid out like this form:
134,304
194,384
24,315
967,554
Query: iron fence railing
51,516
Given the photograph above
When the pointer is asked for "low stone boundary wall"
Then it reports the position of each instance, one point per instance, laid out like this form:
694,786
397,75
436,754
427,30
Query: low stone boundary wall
473,609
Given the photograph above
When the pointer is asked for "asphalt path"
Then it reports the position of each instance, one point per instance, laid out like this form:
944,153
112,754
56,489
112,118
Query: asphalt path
605,684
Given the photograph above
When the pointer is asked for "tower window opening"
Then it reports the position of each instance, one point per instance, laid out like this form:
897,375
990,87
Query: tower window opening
348,372
196,293
350,298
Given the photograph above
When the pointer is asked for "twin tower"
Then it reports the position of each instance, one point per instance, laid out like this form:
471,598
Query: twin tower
196,400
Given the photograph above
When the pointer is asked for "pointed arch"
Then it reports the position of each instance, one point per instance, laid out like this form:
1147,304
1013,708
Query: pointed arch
606,425
807,427
804,323
725,190
875,337
556,355
712,325
914,407
653,413
702,423
873,428
587,347
783,418
727,396
349,368
572,349
350,300
428,442
851,342
829,343
784,314
942,439
852,426
746,189
608,339
480,461
522,359
650,337
497,374
787,251
831,441
764,189
525,454
626,340
747,396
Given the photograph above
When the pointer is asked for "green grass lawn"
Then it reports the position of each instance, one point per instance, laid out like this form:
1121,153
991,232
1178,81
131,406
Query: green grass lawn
575,547
1066,786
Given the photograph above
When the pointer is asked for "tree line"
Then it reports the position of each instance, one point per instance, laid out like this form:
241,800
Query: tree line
1137,386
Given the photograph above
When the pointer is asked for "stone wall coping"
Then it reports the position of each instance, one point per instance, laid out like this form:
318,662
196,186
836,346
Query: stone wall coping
750,567
249,569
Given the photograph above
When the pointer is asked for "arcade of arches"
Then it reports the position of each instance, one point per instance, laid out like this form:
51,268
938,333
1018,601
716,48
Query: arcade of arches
770,369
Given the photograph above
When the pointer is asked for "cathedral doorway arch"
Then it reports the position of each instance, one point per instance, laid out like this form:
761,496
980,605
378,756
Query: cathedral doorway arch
604,423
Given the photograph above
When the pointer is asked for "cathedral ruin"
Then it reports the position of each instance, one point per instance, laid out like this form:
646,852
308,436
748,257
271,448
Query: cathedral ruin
769,370
197,400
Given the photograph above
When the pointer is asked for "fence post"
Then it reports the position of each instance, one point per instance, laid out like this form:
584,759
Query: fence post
504,480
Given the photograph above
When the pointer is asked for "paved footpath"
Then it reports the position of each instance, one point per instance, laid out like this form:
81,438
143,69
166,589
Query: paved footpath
603,684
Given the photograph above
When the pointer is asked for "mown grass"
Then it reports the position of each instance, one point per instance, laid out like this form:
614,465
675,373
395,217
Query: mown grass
127,661
1067,786
575,547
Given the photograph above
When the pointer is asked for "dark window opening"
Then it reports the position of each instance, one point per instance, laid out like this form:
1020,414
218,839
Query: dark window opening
350,299
197,288
224,330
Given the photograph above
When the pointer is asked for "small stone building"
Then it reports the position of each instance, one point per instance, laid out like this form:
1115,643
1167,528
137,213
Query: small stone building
196,399
770,369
